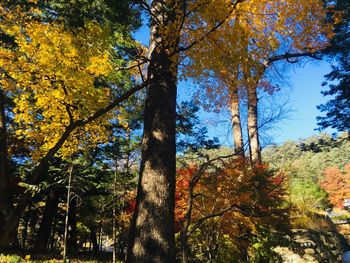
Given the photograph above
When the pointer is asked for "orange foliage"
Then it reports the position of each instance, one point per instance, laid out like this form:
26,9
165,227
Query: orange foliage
240,196
336,184
181,195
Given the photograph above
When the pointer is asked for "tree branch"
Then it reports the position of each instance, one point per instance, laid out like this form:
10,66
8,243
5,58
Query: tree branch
288,56
39,168
213,29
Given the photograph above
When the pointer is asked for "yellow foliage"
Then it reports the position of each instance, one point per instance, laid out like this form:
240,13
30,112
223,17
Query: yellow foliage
253,32
51,72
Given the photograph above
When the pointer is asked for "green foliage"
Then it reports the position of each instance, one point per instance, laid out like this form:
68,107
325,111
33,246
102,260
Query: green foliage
307,195
29,259
121,14
337,109
262,246
304,163
191,135
210,244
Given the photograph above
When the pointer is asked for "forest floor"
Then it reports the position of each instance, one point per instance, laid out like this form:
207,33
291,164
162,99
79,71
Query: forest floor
54,258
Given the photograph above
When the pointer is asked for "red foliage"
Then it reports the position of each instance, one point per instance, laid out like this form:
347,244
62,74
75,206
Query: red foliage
181,196
130,203
234,185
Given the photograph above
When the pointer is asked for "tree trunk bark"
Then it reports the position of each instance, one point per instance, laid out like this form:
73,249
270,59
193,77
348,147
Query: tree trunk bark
66,220
152,229
25,228
8,217
114,223
32,226
72,222
43,236
236,124
53,233
253,131
186,224
93,239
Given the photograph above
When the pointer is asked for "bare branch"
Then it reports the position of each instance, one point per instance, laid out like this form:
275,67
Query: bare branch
213,215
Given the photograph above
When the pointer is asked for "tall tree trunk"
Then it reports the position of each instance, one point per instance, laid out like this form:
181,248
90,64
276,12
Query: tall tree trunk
152,230
253,131
66,220
43,235
53,233
7,210
188,218
93,239
236,123
72,222
114,223
32,227
24,232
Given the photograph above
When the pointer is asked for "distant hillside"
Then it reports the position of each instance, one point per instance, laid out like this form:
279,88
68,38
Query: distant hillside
304,163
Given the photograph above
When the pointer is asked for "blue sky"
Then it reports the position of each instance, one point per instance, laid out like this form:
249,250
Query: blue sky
303,89
304,92
305,95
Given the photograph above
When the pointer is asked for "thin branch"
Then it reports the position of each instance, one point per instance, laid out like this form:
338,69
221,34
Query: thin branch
213,29
288,56
79,123
144,60
150,11
213,215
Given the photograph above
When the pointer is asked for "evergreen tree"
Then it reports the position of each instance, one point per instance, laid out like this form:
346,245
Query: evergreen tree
338,80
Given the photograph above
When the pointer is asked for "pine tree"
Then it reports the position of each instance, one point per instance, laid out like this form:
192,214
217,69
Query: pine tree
337,109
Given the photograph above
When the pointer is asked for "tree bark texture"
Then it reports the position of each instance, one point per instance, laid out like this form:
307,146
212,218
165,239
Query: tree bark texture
43,235
53,233
253,131
188,218
152,230
236,124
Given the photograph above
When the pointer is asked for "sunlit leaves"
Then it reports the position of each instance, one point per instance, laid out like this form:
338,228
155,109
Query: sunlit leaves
229,201
52,72
235,54
336,184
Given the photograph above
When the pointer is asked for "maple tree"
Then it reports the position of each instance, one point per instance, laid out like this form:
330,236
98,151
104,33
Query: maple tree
228,195
51,74
335,183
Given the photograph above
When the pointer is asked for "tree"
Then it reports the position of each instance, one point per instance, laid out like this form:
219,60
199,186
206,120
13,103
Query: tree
152,233
242,51
335,183
222,200
337,109
304,163
28,69
152,229
191,136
